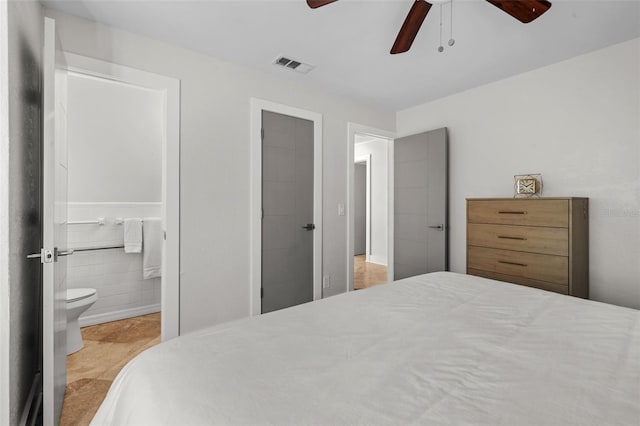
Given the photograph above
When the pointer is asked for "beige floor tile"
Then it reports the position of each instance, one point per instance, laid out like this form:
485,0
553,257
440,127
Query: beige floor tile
128,331
82,401
91,370
91,361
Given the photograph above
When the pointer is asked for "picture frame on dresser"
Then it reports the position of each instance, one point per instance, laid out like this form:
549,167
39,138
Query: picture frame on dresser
536,242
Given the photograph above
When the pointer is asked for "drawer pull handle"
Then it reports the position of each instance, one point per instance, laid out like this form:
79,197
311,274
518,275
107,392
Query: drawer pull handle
505,237
510,212
512,263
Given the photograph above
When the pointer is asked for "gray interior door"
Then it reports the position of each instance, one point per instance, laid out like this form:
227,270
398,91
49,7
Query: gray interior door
421,204
287,206
360,208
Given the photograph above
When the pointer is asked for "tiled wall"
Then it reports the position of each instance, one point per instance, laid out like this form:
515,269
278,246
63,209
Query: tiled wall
116,275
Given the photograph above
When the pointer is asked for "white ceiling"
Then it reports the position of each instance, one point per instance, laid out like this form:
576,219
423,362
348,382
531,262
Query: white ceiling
349,41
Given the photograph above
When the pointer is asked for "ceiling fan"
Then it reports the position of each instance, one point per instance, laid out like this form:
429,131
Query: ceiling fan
524,11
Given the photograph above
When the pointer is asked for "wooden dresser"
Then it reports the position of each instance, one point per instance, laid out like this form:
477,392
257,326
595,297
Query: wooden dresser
537,242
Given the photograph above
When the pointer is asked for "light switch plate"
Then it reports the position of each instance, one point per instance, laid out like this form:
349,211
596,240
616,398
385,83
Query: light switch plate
340,209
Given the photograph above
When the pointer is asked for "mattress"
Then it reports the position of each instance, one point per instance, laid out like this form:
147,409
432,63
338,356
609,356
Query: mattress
437,349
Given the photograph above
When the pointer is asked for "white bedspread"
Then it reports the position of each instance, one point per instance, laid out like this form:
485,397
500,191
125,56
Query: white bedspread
438,349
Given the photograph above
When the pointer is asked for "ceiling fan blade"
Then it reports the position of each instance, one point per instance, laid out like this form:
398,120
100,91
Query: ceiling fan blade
411,26
314,4
524,11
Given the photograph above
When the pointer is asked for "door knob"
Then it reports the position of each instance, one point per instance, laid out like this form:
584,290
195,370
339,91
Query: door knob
438,227
309,227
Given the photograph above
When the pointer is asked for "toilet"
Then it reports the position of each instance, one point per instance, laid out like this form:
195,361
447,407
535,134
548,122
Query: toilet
78,301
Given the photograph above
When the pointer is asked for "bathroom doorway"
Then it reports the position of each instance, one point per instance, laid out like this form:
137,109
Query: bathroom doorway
115,191
122,280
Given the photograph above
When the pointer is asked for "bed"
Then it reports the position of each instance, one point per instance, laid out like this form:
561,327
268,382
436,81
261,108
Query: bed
436,349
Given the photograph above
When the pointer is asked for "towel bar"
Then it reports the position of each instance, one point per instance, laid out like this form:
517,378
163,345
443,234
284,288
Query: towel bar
100,221
120,221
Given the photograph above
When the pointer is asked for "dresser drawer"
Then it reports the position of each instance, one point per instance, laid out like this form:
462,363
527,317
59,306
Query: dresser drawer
530,212
521,238
542,285
553,269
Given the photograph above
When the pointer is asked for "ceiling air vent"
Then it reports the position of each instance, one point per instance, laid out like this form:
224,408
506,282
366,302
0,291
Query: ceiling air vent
293,64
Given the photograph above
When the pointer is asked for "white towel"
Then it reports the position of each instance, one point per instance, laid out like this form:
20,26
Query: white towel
152,253
132,235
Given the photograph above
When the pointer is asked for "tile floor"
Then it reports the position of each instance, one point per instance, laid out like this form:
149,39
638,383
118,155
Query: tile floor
107,348
367,274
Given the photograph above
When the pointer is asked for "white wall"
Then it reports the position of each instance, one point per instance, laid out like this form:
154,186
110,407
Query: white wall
115,141
578,123
377,148
214,257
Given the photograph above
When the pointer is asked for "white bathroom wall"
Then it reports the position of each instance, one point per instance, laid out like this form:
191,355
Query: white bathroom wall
377,148
115,171
116,275
578,123
115,135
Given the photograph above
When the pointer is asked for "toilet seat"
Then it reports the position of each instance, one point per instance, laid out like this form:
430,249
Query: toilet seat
74,294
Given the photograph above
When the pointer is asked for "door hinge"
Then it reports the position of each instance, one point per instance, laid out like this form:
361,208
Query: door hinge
261,292
262,134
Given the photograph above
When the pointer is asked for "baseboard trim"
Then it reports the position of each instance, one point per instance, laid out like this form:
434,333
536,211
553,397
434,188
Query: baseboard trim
118,315
377,260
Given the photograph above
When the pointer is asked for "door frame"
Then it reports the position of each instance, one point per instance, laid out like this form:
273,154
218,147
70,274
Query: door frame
5,358
257,106
352,130
54,372
170,87
366,159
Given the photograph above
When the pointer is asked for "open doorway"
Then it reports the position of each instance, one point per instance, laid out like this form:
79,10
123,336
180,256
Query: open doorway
370,213
120,132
